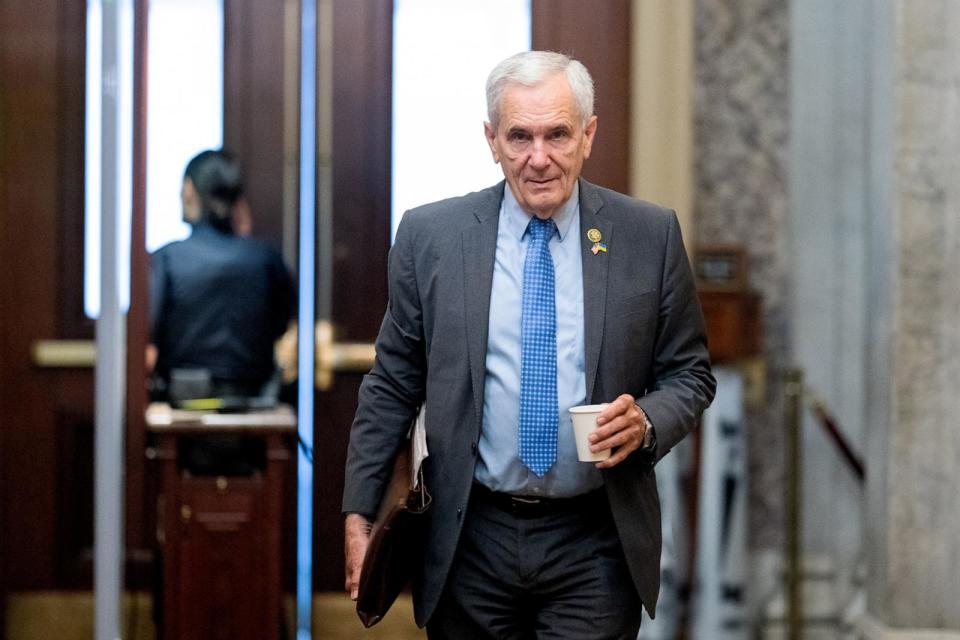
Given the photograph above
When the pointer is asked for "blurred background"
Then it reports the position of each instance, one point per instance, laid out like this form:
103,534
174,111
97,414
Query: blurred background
809,147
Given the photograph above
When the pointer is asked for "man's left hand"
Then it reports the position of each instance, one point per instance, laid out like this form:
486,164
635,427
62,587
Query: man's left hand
621,426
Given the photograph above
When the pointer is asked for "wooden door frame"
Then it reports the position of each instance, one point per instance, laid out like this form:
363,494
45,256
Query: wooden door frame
360,229
598,34
138,517
41,55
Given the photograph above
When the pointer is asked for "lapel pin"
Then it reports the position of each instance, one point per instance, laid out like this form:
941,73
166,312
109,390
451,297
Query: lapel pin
593,235
598,247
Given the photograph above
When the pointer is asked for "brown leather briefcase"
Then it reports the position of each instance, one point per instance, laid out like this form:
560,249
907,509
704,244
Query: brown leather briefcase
396,541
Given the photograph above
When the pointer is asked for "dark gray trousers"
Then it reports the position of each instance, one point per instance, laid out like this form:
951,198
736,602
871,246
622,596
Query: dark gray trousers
559,575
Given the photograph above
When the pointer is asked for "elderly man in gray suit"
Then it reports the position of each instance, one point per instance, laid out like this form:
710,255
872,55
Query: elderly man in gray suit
507,307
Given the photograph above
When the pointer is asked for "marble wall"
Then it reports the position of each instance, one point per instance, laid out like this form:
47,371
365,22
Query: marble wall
833,198
741,111
916,568
827,142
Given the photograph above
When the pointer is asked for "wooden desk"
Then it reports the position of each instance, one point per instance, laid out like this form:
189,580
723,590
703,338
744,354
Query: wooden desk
219,535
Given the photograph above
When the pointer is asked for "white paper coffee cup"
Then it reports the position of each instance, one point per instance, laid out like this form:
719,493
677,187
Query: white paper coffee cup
584,422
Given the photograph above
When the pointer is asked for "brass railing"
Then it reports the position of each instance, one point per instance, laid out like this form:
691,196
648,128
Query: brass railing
795,392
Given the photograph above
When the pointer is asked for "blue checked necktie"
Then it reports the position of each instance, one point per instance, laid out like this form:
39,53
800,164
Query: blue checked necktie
538,353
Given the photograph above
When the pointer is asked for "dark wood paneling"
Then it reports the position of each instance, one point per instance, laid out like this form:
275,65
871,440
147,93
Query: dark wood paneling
31,167
597,34
253,106
221,549
73,516
138,520
47,457
334,417
3,475
362,111
71,52
4,304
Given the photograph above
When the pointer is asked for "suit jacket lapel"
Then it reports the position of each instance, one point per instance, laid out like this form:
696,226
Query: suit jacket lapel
479,243
594,279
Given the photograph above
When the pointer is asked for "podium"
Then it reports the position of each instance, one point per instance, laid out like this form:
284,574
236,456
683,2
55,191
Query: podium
219,529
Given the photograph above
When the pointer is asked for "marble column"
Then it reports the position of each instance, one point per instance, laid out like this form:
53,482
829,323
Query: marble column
661,107
741,153
741,137
833,198
913,517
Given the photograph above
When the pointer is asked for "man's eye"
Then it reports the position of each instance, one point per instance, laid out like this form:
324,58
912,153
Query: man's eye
517,136
559,134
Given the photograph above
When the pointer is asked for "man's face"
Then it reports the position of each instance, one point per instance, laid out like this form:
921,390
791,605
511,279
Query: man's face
540,143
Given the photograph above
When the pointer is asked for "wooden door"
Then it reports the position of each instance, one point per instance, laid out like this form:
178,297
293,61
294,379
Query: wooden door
46,351
360,229
46,399
257,125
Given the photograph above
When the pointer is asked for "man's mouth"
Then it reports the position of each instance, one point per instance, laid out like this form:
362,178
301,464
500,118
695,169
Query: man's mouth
540,181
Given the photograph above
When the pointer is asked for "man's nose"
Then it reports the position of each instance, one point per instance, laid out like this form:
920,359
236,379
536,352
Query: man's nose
539,158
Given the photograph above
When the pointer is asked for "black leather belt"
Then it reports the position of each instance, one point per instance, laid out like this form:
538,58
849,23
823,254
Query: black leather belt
535,507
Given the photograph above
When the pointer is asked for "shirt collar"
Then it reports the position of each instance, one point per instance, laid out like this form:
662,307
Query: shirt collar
517,219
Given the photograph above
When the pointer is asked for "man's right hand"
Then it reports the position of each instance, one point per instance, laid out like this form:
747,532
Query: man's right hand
356,537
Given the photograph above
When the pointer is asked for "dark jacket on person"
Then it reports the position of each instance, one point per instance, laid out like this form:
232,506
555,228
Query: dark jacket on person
219,302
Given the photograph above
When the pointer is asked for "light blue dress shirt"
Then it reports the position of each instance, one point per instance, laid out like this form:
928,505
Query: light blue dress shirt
499,467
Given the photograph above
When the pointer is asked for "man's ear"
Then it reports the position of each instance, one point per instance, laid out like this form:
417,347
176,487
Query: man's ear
491,136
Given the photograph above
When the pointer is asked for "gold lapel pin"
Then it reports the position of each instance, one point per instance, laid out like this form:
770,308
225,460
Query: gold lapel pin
594,235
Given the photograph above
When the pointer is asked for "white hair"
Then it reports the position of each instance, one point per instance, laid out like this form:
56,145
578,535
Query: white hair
530,68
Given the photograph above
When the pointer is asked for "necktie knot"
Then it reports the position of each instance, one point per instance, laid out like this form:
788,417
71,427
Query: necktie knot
541,229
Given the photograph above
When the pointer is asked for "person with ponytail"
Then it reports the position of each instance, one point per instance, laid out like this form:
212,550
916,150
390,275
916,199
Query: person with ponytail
218,299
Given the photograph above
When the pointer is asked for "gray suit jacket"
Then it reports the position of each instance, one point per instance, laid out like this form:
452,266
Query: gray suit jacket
643,335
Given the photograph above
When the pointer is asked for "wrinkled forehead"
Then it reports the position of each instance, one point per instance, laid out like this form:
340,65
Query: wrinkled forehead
548,101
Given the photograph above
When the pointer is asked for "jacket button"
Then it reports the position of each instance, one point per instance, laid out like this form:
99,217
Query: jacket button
473,448
459,513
